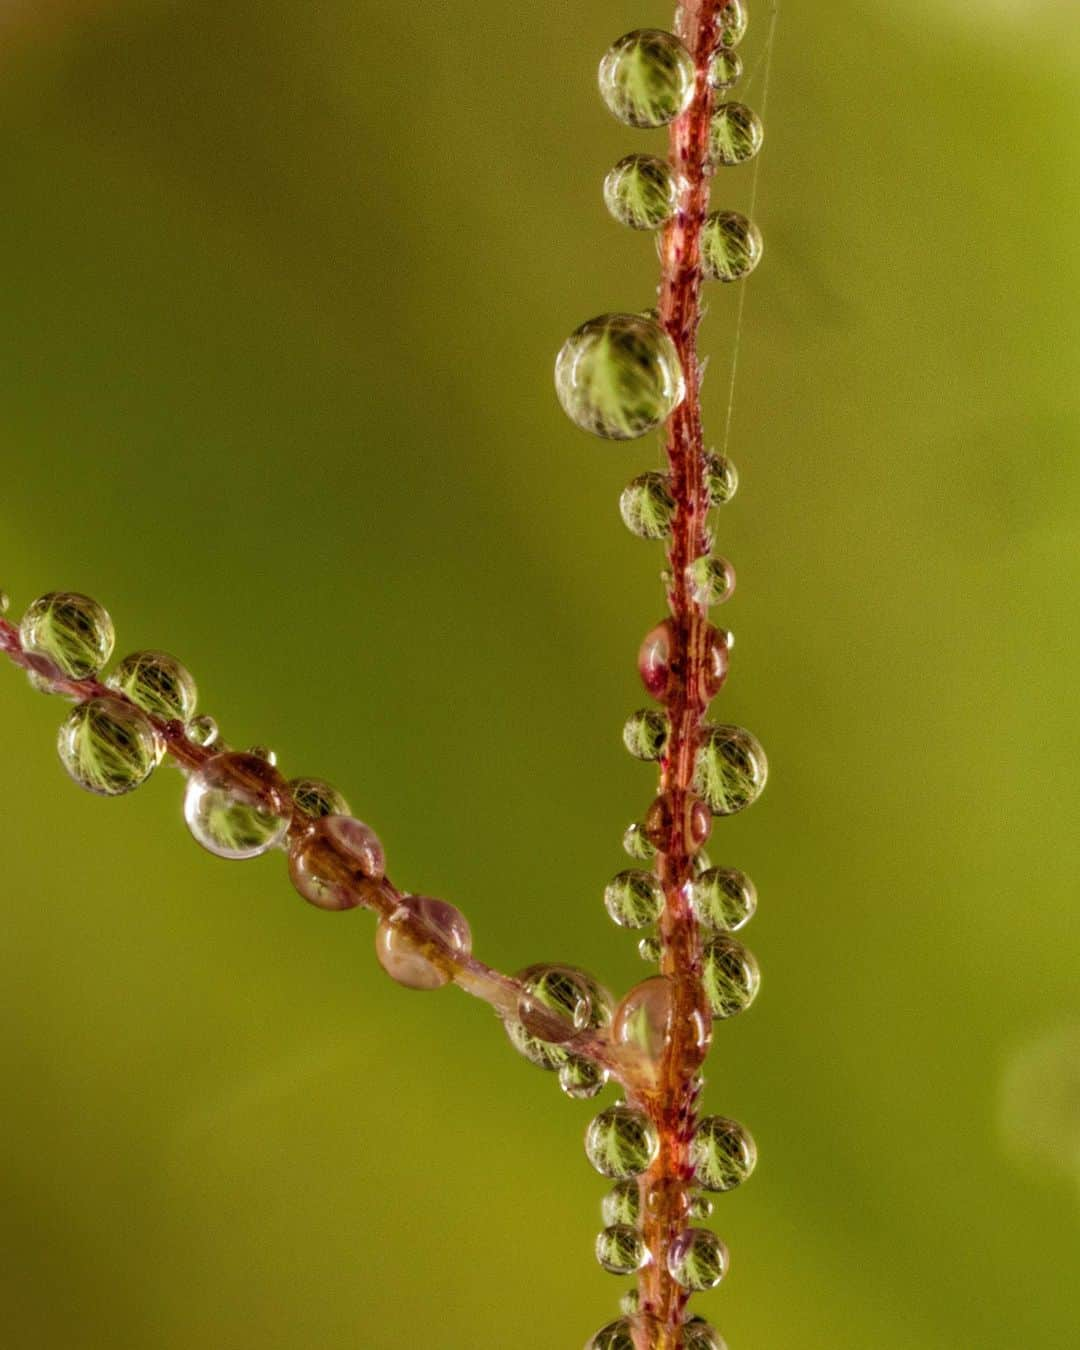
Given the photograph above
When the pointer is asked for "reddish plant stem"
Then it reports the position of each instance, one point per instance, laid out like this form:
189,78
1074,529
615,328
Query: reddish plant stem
672,1101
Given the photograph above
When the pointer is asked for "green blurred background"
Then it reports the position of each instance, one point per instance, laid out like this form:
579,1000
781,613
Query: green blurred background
282,287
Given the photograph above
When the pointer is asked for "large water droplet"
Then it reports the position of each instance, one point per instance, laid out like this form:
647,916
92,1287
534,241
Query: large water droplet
645,734
557,1002
731,246
642,191
621,1142
415,962
636,845
333,861
647,506
731,769
724,898
721,479
712,580
72,631
730,976
647,78
615,1336
643,1019
237,806
157,683
634,898
619,376
621,1249
665,822
725,68
697,1259
732,22
622,1204
735,134
107,746
699,1335
722,1153
314,798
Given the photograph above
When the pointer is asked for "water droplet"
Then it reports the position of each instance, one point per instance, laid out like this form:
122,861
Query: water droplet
237,806
72,631
647,506
645,734
615,1336
647,78
722,1154
107,746
636,845
621,1249
642,191
699,1206
621,1142
415,963
264,753
649,949
333,861
634,898
630,1303
724,898
622,1204
731,22
664,822
643,1019
619,376
721,479
697,1259
654,660
699,1335
735,134
730,769
202,730
725,68
731,246
712,580
573,996
716,658
581,1078
315,799
157,683
730,976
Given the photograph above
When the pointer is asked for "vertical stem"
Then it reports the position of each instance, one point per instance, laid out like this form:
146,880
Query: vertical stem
672,1105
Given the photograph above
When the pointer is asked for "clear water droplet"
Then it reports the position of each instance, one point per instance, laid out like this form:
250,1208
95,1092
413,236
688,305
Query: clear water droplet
557,1002
732,23
72,631
107,746
716,659
415,963
642,191
731,769
699,1206
202,730
621,1142
665,822
645,734
237,806
644,1017
697,1259
712,580
618,376
647,506
634,898
725,68
630,1303
332,862
636,845
731,246
721,479
264,753
314,798
621,1249
699,1335
615,1336
654,660
646,78
157,683
581,1078
735,134
649,949
730,976
722,1153
724,898
622,1204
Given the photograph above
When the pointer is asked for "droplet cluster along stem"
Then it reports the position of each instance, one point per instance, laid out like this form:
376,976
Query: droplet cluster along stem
502,992
672,1103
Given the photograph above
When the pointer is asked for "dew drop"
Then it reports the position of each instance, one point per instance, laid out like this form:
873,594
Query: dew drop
721,479
314,798
649,949
725,68
697,1259
731,246
647,78
664,823
621,1249
645,734
716,658
699,1207
332,863
107,746
615,1336
731,769
724,898
264,753
157,683
622,1204
634,898
202,730
636,845
647,506
642,191
237,806
730,976
621,1142
630,1303
72,631
654,660
735,134
722,1153
712,580
557,1002
619,376
643,1018
580,1078
699,1335
415,962
732,22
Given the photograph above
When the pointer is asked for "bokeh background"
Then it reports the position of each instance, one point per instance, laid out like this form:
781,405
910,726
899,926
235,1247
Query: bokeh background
282,287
